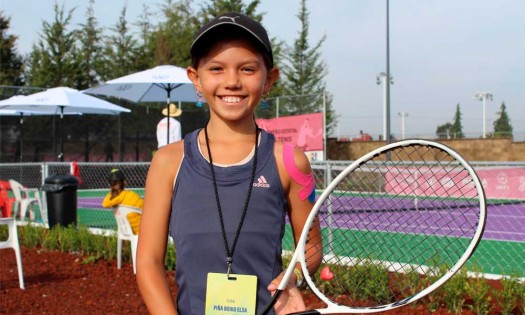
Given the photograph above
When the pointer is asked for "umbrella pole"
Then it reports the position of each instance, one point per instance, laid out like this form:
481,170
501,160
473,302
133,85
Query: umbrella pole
168,117
120,152
21,136
61,155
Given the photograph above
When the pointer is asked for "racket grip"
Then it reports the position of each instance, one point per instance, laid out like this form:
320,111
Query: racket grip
311,312
270,304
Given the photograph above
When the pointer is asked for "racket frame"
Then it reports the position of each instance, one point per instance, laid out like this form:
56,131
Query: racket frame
299,254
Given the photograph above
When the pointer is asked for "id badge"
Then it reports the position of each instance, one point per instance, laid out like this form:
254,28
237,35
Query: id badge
233,294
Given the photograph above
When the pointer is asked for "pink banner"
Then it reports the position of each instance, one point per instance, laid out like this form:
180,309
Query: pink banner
507,183
420,181
503,183
304,131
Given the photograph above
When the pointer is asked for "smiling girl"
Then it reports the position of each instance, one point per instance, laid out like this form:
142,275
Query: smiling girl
224,191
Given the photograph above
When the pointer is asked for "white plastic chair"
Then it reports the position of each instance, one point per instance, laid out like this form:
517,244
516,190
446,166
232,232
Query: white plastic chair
125,233
12,242
24,202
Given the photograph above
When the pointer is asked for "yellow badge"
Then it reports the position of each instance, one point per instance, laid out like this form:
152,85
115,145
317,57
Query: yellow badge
233,294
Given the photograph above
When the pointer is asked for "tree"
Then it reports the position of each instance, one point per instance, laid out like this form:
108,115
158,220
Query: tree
218,7
443,131
53,61
121,50
90,50
303,72
172,40
146,51
451,130
11,66
456,129
502,126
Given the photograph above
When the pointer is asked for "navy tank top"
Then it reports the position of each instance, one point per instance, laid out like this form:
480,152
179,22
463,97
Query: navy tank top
195,225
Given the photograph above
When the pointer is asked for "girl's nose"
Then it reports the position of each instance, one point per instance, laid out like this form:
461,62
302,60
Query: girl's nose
232,80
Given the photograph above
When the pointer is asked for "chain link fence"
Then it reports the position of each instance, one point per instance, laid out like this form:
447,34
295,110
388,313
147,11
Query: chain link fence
501,251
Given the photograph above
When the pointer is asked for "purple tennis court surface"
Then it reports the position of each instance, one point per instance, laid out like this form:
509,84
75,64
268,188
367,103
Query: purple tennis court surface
505,222
90,202
442,217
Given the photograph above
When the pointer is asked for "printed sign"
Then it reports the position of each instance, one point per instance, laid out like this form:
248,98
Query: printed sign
505,183
304,131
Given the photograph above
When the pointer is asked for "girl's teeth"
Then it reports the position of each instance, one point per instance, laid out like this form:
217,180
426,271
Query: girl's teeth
231,99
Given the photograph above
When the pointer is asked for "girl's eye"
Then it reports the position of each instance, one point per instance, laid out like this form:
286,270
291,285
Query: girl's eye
248,69
215,69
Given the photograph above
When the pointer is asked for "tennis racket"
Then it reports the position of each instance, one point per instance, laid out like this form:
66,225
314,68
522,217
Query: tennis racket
396,224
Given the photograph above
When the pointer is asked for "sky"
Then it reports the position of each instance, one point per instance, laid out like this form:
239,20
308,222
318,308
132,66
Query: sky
441,54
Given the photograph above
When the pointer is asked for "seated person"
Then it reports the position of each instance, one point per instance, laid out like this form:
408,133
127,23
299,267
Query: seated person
120,196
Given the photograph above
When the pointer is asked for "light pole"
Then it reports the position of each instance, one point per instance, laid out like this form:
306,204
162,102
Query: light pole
388,80
403,115
386,111
483,96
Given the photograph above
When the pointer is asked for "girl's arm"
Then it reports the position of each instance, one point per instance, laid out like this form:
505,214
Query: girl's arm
153,235
300,207
111,201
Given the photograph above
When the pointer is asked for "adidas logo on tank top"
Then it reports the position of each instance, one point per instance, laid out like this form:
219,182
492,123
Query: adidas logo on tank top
261,182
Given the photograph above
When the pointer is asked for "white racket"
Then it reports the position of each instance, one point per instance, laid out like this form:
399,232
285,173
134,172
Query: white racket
396,224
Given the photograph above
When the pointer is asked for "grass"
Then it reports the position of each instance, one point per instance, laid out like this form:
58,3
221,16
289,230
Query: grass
79,240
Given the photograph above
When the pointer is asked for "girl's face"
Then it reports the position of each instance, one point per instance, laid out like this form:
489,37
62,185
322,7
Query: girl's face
233,78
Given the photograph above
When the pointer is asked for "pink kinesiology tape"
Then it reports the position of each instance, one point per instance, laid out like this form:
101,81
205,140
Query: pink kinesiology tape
305,180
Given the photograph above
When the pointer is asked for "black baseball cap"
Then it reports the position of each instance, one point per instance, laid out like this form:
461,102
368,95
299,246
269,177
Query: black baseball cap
116,176
233,19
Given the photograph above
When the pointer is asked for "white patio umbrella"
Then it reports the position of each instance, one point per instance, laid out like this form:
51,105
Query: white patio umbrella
157,84
22,114
62,100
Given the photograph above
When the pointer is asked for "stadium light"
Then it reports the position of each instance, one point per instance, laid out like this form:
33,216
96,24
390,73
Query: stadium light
379,79
403,115
483,96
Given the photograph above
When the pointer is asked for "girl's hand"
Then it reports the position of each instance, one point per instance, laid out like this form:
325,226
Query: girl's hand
290,300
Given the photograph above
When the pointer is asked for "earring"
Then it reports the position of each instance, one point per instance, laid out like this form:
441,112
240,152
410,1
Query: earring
264,101
199,99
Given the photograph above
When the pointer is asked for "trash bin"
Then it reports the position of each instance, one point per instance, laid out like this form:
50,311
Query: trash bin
61,196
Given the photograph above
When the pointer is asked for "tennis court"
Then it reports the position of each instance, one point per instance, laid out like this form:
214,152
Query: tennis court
501,250
385,230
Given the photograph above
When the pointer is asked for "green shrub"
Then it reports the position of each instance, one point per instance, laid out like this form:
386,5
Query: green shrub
454,292
510,294
478,290
170,259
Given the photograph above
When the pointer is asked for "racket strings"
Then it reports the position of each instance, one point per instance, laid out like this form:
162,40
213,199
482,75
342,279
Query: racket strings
394,223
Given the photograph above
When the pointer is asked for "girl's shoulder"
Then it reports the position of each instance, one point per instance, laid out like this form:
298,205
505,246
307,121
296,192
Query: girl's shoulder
286,153
291,163
169,156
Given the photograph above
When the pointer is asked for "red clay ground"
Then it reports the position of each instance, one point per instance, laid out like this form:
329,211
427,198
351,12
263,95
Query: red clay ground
59,283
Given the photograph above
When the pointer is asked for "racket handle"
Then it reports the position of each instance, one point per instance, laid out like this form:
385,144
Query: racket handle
270,304
311,312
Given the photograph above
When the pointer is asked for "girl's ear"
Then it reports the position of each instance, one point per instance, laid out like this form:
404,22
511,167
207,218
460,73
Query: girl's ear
271,78
194,77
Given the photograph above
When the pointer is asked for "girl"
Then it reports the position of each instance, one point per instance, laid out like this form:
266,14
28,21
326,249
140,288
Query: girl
223,192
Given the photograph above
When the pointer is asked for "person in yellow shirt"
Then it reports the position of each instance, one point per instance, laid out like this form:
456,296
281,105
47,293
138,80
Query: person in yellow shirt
120,196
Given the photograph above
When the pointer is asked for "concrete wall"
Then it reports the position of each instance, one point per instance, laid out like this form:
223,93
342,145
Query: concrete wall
471,149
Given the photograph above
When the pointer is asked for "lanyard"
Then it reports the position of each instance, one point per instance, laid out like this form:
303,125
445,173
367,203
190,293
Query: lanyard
229,252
